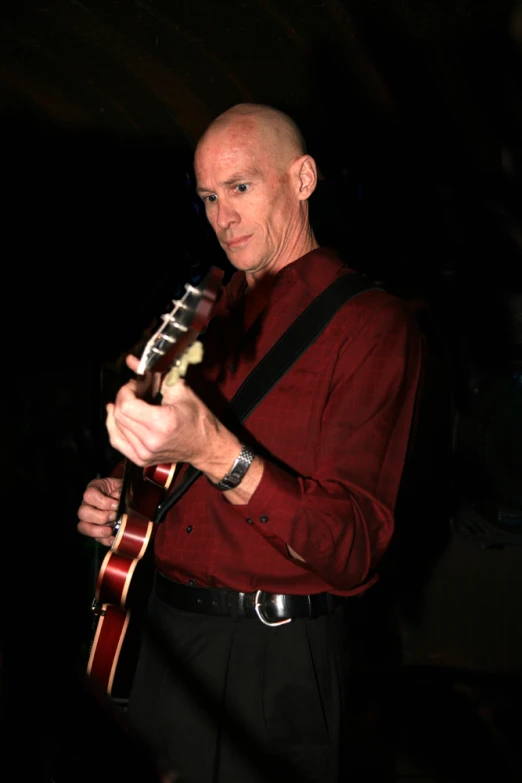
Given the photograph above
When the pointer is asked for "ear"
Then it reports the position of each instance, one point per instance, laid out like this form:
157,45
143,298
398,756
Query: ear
306,176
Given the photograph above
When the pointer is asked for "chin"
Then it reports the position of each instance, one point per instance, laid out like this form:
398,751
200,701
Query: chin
242,260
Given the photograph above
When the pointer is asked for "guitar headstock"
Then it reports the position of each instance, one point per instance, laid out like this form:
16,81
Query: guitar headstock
180,327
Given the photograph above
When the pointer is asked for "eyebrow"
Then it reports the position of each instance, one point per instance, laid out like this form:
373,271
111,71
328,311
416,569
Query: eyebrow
241,176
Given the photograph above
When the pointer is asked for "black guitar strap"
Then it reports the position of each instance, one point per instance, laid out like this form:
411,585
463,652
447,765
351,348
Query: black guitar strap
283,354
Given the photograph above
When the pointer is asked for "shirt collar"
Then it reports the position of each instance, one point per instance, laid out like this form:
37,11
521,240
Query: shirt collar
298,269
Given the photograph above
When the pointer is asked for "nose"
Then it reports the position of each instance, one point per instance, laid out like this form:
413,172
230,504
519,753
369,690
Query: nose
226,214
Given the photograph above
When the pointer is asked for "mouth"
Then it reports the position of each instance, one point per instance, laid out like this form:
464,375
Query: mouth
237,242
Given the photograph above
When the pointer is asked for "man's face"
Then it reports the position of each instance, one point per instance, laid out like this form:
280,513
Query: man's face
250,199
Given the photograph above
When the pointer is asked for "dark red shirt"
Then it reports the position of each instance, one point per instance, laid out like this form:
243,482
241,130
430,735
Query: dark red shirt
333,433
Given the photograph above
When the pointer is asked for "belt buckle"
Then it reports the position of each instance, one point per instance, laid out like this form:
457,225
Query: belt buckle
258,607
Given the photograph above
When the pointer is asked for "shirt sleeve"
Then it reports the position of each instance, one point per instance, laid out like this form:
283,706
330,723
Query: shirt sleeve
341,519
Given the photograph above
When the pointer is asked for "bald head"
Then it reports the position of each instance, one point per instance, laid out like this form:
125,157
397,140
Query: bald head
255,178
272,131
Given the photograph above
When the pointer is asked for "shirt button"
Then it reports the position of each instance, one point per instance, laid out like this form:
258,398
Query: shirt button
191,583
263,519
233,367
189,529
250,521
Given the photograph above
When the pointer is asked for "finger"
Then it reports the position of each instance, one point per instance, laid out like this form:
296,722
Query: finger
143,425
105,541
92,515
109,486
94,498
101,533
132,362
130,408
103,493
123,439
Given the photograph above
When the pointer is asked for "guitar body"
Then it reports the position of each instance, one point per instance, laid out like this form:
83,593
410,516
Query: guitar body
128,564
125,577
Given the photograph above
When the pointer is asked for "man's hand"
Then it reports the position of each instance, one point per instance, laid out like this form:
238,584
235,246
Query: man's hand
181,429
99,509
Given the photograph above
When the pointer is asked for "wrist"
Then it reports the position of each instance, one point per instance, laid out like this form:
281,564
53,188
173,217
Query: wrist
237,472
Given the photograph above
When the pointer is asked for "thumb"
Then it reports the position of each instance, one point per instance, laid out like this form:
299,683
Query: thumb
132,362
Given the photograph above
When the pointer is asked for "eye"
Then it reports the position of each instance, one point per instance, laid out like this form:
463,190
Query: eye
210,199
242,187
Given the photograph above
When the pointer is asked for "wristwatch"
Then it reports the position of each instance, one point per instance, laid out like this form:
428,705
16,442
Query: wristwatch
237,472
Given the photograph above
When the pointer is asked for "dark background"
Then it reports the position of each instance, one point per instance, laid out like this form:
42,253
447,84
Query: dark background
413,111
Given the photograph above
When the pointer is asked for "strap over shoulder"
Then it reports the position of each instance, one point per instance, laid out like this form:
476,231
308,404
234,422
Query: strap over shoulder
283,354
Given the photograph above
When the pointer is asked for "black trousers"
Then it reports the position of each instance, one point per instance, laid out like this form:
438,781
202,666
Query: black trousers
224,701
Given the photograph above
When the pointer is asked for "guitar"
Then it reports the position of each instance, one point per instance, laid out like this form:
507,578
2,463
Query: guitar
128,564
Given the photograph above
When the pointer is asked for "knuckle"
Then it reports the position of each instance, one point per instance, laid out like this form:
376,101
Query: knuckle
151,443
125,407
141,457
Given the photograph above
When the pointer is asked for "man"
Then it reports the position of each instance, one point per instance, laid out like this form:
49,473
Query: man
320,460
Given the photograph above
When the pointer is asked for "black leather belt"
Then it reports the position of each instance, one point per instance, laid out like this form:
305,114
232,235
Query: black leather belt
269,608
